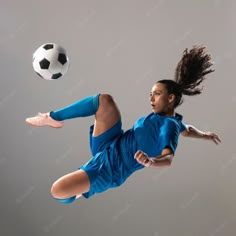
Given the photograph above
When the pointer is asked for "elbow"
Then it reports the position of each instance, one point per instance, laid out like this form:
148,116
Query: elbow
169,160
168,163
164,161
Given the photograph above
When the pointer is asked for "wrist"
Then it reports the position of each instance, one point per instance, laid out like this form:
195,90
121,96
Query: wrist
205,135
151,162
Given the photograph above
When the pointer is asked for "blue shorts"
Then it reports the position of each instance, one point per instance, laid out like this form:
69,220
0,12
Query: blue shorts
100,168
99,143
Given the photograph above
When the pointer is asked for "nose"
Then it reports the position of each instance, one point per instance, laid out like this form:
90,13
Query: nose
151,98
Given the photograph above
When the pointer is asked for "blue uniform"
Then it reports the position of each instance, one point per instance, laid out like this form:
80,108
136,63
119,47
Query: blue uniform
113,151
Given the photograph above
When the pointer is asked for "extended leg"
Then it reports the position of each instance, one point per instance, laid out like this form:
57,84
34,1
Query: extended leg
71,186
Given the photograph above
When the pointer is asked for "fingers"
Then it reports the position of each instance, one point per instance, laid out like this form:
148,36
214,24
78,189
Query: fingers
137,154
218,139
215,138
214,141
142,158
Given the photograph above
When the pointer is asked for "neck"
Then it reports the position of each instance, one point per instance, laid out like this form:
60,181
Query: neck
168,113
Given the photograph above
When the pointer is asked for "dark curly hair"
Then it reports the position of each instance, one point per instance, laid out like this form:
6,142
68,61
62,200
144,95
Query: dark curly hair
189,73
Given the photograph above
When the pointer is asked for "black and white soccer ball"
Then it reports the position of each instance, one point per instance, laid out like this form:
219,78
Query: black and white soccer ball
50,61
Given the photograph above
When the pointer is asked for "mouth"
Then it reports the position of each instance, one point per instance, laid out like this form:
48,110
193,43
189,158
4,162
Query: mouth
153,106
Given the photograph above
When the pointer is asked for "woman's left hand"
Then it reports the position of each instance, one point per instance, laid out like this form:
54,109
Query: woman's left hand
143,158
212,136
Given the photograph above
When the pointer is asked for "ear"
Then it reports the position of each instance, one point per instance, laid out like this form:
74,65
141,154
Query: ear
171,98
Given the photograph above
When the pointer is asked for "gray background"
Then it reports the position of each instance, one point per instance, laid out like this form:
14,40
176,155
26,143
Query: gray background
117,47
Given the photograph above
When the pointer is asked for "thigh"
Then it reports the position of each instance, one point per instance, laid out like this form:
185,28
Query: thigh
74,183
100,142
100,173
107,114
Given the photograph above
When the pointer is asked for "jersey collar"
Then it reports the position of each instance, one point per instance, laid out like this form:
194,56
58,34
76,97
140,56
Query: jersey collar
177,116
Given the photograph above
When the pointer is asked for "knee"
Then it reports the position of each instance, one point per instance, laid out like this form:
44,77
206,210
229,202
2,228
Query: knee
59,189
56,191
58,195
106,99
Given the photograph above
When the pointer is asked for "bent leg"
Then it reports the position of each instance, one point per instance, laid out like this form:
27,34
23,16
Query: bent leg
71,186
85,107
101,105
82,108
107,114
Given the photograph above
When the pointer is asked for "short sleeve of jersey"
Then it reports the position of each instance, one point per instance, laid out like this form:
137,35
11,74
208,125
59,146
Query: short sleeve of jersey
169,136
182,127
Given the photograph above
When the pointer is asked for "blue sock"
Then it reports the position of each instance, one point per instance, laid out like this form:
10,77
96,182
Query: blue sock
85,107
66,200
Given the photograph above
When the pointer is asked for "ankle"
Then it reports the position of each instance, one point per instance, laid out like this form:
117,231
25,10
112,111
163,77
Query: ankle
52,115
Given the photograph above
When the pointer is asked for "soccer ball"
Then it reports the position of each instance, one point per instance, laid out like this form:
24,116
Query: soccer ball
50,61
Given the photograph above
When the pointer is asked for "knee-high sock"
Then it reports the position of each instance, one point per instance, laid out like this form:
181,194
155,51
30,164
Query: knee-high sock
82,108
66,200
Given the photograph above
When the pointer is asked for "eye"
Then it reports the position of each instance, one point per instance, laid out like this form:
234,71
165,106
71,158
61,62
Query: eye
155,93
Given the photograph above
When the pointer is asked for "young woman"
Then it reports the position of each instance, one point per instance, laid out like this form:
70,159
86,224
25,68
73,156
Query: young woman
151,142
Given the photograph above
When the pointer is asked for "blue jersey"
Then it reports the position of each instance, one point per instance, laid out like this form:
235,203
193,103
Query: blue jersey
150,134
114,161
155,132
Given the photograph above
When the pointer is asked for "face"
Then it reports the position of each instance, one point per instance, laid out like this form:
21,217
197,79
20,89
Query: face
161,101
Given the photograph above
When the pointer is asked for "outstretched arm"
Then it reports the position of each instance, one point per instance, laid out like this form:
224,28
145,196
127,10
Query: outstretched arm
193,132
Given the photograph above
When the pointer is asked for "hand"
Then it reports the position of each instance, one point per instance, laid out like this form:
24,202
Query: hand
212,136
143,158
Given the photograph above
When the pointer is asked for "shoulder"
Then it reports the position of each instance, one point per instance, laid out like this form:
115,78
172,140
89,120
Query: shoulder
172,125
185,132
169,126
178,119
